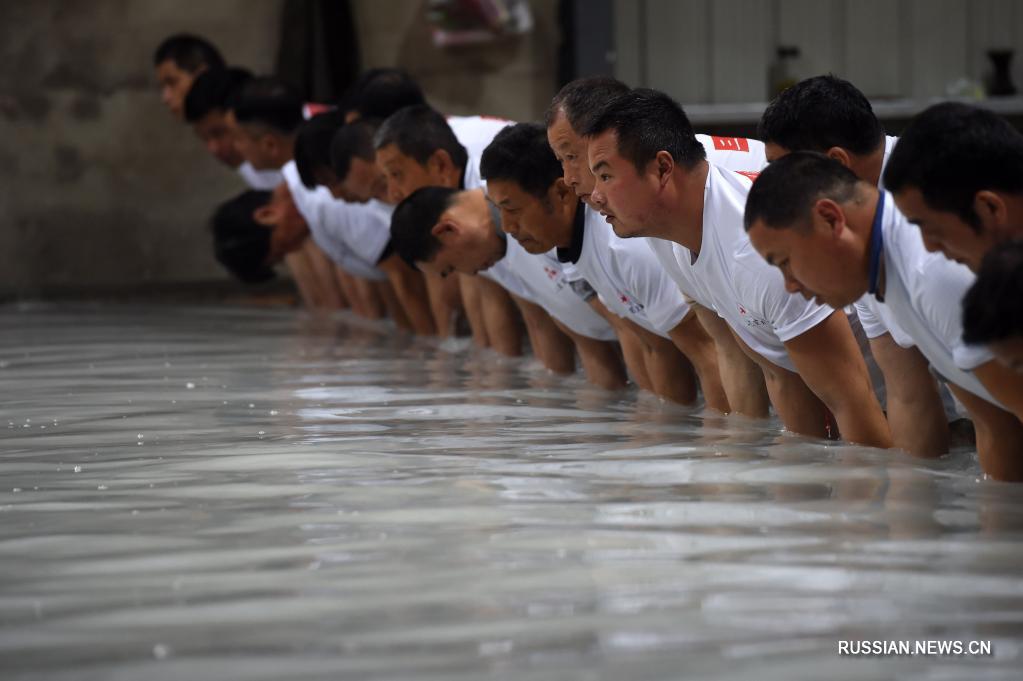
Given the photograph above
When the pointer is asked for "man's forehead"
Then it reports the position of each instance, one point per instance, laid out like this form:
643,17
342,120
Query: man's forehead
391,154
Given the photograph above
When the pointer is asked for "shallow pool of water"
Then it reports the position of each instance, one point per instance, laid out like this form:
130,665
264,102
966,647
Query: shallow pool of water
217,493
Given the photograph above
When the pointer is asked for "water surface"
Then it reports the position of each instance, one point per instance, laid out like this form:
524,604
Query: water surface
218,493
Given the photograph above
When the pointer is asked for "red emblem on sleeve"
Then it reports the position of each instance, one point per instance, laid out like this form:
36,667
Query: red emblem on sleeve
731,143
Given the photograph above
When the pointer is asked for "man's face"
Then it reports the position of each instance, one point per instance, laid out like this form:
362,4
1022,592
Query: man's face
945,231
1009,352
174,85
467,246
570,150
365,181
623,195
530,220
817,261
281,215
403,173
217,134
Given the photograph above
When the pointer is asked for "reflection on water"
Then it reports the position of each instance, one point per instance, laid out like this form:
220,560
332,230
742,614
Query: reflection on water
252,494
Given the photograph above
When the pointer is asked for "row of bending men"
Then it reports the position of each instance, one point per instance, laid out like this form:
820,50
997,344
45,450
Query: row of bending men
770,286
615,232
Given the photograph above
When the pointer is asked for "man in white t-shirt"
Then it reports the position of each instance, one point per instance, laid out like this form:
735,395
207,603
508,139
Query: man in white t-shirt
831,116
957,174
652,179
272,134
178,61
993,307
839,239
418,147
208,110
544,215
446,231
742,379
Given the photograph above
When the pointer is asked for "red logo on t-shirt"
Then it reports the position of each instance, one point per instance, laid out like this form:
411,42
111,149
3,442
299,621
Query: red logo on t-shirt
731,143
751,174
315,109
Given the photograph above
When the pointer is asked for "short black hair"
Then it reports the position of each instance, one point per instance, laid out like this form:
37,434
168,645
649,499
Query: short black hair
520,153
784,192
413,221
419,131
269,102
647,121
354,140
819,113
993,307
312,144
378,93
241,244
189,53
950,152
214,89
582,97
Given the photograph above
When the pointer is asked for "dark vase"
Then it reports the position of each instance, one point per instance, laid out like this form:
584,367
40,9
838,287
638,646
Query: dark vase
999,81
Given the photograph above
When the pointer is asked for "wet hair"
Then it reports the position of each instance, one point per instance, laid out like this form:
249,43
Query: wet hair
783,194
950,152
413,221
819,113
269,102
419,131
993,307
312,144
189,53
647,122
520,153
581,98
241,244
354,140
378,93
214,89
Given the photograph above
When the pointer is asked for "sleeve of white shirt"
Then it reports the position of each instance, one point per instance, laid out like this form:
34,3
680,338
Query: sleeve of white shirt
663,303
872,325
790,314
364,228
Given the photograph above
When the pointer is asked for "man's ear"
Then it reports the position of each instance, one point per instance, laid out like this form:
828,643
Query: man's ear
665,166
990,208
444,229
829,213
265,215
560,192
440,163
840,155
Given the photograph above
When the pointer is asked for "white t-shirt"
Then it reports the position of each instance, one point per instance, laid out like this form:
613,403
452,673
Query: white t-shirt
352,235
475,133
624,274
740,154
356,235
730,277
545,279
922,303
872,326
262,180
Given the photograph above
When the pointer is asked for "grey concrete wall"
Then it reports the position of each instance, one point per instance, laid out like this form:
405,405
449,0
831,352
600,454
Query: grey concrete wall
101,190
99,186
514,78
